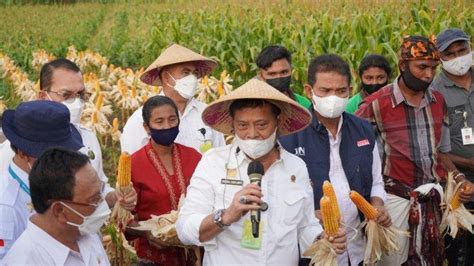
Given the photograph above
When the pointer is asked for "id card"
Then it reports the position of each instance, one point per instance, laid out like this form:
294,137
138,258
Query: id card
248,241
467,138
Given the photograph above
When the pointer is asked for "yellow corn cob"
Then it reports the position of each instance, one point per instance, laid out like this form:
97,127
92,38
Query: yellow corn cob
99,102
369,211
330,223
115,124
124,175
455,203
328,191
94,118
134,91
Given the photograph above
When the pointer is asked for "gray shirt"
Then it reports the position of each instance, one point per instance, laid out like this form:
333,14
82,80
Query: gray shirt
458,100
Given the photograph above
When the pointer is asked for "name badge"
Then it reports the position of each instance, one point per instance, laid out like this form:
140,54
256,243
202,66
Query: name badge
467,138
233,182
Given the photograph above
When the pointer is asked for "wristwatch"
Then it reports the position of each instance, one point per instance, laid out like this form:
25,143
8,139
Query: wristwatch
218,219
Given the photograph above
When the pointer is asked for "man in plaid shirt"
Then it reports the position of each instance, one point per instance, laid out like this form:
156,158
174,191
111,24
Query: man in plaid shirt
410,121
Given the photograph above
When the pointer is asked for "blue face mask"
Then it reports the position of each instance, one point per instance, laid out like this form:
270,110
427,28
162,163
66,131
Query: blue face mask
164,137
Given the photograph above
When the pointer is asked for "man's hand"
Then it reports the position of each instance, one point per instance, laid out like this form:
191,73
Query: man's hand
383,218
467,192
339,241
237,209
128,200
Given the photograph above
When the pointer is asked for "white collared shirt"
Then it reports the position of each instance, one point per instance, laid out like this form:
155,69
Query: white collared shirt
15,207
288,222
337,176
36,247
134,136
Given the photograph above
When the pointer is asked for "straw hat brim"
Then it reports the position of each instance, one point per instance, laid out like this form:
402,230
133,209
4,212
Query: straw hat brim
293,116
176,54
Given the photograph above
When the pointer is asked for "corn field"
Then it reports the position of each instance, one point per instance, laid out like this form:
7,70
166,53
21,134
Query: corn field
112,41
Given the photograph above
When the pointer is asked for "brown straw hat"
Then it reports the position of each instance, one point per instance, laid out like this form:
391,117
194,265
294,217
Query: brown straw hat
293,116
176,54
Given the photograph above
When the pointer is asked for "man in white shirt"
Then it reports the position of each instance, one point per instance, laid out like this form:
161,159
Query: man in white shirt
222,211
70,208
176,70
31,128
61,81
341,148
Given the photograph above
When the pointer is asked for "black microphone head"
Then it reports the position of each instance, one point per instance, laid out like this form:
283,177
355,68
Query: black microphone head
255,167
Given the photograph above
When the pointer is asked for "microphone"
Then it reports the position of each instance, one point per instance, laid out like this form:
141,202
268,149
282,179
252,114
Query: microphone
255,172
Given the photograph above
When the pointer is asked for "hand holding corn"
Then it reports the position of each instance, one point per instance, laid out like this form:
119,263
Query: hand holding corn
125,193
379,214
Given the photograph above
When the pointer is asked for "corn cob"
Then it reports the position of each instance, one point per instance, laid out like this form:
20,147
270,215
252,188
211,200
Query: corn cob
369,211
124,175
99,102
330,223
455,203
328,191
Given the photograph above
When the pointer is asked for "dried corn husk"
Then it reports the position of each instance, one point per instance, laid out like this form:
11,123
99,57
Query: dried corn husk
381,241
322,253
455,218
163,226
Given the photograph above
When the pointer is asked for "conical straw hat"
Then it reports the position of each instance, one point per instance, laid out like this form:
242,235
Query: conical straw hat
176,54
293,116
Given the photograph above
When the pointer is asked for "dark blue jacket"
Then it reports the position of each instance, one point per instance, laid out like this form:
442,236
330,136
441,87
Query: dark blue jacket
356,151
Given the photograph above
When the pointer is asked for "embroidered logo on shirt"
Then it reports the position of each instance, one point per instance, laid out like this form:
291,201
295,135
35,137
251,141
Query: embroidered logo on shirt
300,151
363,142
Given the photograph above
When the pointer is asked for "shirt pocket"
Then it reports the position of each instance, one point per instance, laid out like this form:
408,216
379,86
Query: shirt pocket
293,203
456,119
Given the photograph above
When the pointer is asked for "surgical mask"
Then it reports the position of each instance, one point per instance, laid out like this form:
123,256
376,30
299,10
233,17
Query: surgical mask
459,65
330,106
186,87
282,84
92,223
75,106
414,83
255,148
371,88
164,137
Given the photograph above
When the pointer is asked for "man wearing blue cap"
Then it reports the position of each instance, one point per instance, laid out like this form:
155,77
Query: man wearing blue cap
456,83
31,129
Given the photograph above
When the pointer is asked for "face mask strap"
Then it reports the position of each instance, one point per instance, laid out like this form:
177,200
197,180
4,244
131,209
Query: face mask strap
70,208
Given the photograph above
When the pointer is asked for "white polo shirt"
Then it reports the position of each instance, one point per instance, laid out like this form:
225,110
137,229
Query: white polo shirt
288,223
134,136
36,247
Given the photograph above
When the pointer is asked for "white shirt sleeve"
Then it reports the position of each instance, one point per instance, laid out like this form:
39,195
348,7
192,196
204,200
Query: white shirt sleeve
309,228
7,229
218,139
378,189
134,136
198,205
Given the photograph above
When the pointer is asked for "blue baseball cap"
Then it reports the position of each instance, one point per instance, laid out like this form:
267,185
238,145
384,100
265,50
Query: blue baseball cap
39,125
447,37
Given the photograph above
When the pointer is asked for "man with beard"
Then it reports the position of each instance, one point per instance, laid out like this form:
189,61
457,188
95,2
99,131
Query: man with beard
410,123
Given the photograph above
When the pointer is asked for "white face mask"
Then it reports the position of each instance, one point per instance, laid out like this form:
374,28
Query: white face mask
93,222
186,87
75,106
255,148
459,65
329,106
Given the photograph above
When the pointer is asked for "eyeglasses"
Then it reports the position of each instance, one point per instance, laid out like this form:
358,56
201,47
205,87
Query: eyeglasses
96,204
85,204
66,95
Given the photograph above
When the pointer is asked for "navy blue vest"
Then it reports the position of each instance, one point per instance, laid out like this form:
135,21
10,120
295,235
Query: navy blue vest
356,151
